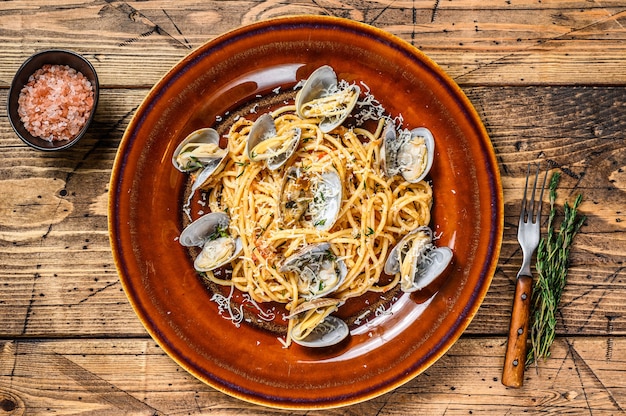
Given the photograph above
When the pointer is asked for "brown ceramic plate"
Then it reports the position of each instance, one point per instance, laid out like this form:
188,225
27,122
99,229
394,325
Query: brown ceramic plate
234,73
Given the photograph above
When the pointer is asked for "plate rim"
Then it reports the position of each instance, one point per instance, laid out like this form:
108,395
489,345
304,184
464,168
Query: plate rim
497,213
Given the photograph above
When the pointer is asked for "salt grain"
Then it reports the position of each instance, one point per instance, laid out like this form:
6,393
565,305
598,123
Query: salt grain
56,102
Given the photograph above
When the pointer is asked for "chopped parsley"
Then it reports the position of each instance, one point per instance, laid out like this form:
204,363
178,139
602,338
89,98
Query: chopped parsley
329,255
220,231
320,222
243,167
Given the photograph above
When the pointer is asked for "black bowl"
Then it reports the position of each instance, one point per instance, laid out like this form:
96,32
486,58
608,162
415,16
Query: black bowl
53,57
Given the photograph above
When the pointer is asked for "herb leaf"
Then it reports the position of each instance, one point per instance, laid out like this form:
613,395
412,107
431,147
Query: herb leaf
552,265
219,232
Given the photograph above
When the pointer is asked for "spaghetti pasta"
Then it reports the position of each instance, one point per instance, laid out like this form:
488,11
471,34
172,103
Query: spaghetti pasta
375,211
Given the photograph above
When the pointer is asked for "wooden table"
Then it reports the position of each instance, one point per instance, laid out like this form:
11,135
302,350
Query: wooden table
548,79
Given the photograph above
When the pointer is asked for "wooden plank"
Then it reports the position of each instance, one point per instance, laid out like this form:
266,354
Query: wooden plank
57,272
494,43
67,327
581,134
72,376
47,201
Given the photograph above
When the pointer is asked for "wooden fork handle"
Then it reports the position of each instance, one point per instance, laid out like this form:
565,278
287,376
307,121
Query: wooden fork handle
515,358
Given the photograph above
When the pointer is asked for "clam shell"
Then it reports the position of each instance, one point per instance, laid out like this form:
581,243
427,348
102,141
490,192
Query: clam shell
327,201
415,162
293,197
389,149
428,264
263,129
321,274
434,264
320,84
200,137
281,159
196,233
330,332
402,155
317,195
392,264
328,124
200,262
206,165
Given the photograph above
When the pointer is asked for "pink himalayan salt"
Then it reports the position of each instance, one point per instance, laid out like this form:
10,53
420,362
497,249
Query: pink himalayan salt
56,102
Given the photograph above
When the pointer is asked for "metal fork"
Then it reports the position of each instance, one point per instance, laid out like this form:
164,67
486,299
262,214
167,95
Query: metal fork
528,235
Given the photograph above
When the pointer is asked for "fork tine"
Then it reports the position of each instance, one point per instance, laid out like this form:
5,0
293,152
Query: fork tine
543,187
522,215
533,202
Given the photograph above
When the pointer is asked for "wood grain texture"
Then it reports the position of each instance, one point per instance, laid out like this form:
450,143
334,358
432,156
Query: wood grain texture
477,43
74,275
69,377
548,79
515,356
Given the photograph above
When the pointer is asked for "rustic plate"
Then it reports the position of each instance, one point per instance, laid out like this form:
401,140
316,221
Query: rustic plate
235,73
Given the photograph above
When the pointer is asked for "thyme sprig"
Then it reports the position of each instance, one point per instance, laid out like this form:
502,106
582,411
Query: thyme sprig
552,265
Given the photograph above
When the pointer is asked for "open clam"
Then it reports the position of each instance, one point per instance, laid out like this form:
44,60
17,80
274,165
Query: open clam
327,192
319,271
294,196
199,150
211,233
200,153
409,153
313,199
322,98
265,143
418,260
315,327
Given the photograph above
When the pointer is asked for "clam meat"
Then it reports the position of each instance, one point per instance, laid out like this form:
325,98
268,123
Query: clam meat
319,270
265,143
418,260
311,199
201,154
210,232
409,153
295,196
198,150
322,98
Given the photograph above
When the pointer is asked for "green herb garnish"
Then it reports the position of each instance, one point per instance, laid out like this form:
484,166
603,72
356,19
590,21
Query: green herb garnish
319,223
218,233
552,264
329,256
243,167
193,163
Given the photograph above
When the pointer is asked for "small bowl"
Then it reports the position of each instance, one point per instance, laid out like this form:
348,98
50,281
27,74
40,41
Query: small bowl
32,64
